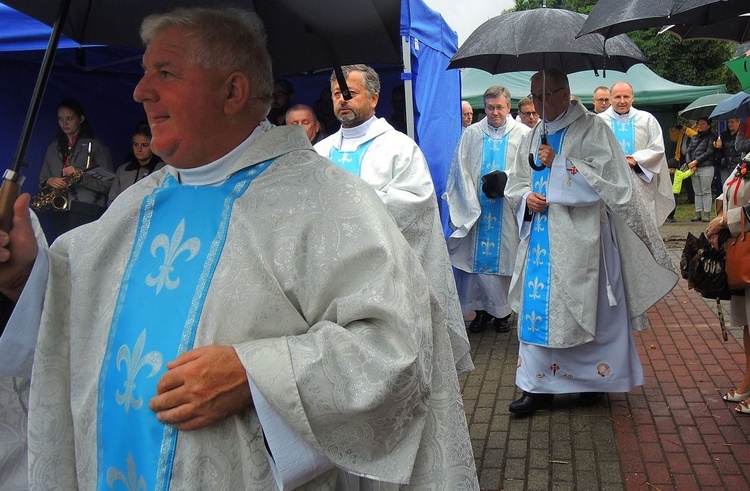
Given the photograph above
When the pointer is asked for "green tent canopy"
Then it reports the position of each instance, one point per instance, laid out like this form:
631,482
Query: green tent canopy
650,90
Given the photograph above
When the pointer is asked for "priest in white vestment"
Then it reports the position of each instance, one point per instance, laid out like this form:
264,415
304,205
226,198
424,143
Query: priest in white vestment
640,137
590,262
249,317
393,164
484,240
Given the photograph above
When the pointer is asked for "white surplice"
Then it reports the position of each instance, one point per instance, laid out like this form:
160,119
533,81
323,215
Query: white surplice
654,182
327,309
396,169
479,291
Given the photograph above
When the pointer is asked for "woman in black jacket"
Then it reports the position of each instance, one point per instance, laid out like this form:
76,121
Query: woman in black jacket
700,157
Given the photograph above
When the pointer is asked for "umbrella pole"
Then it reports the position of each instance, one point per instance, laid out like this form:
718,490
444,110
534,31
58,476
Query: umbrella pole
532,160
12,178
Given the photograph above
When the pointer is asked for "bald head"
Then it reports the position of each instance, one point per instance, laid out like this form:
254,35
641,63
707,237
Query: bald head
622,97
467,114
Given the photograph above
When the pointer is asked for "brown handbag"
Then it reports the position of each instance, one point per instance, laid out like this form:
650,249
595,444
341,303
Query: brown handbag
738,259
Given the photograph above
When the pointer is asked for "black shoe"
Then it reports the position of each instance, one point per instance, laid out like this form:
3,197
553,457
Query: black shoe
502,325
528,403
589,398
671,220
480,321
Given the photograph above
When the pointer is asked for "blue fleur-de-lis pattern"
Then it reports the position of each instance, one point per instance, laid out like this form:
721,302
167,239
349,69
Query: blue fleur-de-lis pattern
625,133
351,161
179,239
489,227
535,308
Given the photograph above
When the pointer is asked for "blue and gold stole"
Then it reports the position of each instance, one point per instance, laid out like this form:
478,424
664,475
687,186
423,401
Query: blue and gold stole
535,308
351,161
490,224
180,236
625,134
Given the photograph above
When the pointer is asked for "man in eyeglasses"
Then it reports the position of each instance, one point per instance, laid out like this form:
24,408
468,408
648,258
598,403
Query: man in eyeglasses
601,99
526,112
639,134
590,261
483,244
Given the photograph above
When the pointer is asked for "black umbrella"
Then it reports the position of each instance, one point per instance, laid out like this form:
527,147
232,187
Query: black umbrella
302,36
539,39
736,29
613,17
543,38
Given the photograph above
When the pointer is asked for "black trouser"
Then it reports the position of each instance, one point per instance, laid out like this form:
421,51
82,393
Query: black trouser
79,214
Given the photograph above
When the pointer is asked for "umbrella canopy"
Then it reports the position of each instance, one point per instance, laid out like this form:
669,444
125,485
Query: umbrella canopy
702,107
302,35
737,106
736,29
613,17
741,68
543,38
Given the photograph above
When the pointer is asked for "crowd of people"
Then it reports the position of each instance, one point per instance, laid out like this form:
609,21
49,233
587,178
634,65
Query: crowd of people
244,304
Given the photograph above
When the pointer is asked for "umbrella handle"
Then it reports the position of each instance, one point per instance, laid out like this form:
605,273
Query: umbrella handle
532,160
9,192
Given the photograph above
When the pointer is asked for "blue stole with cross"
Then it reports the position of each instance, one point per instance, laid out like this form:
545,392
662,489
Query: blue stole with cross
156,316
351,161
625,134
490,224
535,309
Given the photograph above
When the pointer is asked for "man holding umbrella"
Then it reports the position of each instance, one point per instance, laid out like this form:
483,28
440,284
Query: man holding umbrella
590,262
640,137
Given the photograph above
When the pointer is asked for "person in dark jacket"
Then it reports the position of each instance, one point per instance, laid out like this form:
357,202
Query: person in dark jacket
726,157
700,157
142,163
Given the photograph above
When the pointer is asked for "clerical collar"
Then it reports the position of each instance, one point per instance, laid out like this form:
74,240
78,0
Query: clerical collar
622,118
357,131
499,131
217,171
555,125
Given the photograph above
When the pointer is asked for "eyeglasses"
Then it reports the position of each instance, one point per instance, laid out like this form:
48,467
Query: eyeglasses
547,95
528,113
601,101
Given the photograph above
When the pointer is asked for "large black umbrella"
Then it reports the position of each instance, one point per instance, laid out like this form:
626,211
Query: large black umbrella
736,29
540,39
543,38
613,17
303,36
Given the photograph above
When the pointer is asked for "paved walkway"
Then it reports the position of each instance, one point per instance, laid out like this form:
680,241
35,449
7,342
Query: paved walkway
674,433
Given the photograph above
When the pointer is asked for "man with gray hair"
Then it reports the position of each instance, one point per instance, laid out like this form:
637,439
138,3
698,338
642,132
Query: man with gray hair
392,163
485,237
248,317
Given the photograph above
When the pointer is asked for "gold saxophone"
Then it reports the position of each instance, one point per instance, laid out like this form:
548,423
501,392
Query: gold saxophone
57,198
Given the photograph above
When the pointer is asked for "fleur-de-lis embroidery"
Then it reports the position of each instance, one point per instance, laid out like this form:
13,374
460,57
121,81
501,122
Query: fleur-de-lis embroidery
495,144
539,222
538,252
134,362
132,482
533,320
488,221
487,246
345,158
535,286
540,185
172,249
625,144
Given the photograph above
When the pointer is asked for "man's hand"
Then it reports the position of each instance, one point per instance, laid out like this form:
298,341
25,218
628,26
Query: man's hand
18,250
536,202
631,161
202,387
546,155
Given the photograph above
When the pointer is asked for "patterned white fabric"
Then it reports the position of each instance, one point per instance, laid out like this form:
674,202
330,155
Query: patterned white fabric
649,153
327,309
575,233
396,169
464,181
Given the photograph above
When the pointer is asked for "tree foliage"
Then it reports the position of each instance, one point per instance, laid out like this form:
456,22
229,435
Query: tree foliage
699,62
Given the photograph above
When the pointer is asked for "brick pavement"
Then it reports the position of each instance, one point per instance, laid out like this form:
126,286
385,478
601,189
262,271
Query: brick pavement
674,433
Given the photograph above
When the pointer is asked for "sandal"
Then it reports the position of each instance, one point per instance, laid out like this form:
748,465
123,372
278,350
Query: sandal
743,407
734,396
